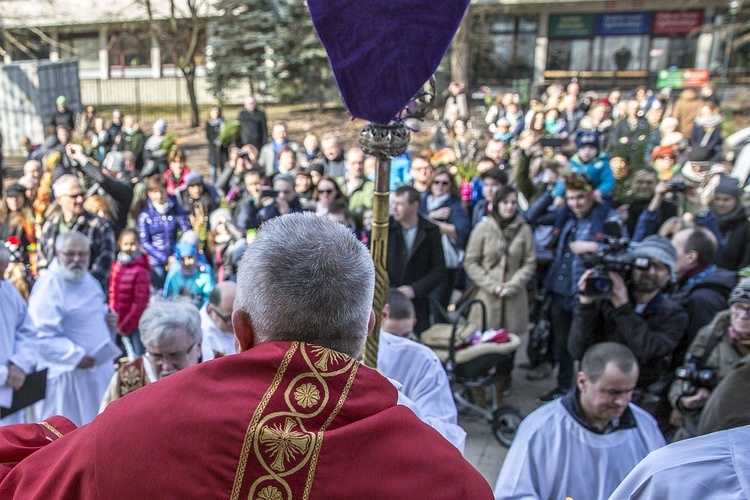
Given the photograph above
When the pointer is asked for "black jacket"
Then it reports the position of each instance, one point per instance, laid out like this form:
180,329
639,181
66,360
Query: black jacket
423,270
254,129
652,336
704,299
118,194
735,228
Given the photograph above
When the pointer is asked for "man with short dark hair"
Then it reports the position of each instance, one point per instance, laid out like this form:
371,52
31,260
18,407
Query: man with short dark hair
416,264
420,171
702,287
584,444
286,201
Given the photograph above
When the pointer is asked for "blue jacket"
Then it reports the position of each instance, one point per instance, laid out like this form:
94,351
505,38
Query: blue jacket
158,233
564,281
597,171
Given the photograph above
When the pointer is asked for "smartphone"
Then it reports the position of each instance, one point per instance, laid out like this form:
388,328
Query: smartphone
551,142
268,193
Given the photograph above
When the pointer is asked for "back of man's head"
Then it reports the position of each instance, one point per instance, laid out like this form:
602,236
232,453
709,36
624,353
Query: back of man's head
598,356
306,278
703,243
412,195
399,305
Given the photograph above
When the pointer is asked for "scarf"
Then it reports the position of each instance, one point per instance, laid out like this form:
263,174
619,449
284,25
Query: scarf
433,203
727,221
124,258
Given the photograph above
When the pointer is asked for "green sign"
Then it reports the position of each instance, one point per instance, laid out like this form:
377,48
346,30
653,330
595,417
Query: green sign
571,25
670,78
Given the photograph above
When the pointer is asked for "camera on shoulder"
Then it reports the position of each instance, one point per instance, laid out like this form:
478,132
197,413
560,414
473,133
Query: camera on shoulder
613,257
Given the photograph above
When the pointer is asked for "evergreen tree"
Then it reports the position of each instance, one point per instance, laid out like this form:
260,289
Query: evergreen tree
274,45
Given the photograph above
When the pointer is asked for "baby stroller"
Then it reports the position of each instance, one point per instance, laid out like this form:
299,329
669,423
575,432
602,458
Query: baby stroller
476,367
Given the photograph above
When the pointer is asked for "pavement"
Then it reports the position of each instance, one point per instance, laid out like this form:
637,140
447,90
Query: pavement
483,450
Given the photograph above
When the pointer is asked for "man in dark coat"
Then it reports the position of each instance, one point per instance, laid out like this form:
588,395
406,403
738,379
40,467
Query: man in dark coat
254,127
415,263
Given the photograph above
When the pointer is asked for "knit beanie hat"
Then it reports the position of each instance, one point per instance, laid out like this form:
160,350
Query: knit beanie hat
741,292
729,186
657,248
588,139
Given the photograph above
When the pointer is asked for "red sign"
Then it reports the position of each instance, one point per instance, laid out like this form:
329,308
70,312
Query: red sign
677,22
695,77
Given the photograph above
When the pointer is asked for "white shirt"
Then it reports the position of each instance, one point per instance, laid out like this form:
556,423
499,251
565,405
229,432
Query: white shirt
424,382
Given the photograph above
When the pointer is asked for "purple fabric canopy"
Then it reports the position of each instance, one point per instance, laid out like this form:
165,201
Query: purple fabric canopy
383,51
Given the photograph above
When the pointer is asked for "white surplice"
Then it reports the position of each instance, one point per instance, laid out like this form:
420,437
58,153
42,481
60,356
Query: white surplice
554,456
424,382
17,344
213,338
711,467
71,322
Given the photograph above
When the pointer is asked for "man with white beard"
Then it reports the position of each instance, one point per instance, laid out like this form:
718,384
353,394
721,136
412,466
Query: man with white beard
74,336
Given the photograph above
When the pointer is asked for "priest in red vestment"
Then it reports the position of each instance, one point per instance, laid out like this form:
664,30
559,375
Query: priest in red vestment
294,415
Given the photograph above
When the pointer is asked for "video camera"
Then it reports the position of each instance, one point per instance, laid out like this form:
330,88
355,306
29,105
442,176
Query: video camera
613,257
694,375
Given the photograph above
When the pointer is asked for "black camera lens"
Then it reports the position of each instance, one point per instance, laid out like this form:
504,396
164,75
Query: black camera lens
601,285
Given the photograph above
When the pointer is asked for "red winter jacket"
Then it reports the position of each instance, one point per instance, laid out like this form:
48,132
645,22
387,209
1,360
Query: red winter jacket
129,291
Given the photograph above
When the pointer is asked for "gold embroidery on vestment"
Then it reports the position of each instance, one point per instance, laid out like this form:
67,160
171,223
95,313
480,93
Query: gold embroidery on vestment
280,440
51,429
247,443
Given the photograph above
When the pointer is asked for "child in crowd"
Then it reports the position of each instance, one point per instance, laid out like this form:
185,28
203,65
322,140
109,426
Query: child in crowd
592,163
129,291
192,279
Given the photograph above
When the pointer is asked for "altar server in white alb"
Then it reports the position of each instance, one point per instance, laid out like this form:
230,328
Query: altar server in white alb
711,467
74,336
17,337
421,380
583,444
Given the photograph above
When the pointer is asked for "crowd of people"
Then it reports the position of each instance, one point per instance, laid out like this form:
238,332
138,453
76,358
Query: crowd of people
613,216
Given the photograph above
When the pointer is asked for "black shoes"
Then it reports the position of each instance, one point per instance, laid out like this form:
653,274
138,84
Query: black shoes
552,395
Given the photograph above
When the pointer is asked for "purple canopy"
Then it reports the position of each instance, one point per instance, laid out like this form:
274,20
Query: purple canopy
383,51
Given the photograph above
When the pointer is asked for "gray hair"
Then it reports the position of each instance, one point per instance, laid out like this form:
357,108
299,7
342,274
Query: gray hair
64,180
306,278
63,239
162,317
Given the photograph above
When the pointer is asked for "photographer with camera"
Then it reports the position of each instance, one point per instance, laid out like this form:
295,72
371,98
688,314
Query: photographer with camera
710,358
281,200
577,238
636,313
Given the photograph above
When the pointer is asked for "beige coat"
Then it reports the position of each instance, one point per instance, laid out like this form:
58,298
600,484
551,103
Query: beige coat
487,265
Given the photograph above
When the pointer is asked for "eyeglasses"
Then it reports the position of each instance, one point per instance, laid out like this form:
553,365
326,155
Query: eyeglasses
225,319
442,183
174,357
325,191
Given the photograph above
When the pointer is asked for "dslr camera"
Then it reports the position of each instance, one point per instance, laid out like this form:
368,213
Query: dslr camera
694,376
677,186
612,257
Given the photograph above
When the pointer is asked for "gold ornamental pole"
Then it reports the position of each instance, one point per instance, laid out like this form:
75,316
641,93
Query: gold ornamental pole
384,142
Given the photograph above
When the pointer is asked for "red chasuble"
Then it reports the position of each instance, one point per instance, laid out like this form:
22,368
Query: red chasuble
21,440
278,422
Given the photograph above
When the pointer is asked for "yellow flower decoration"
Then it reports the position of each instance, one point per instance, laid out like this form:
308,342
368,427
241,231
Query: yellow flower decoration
307,395
270,493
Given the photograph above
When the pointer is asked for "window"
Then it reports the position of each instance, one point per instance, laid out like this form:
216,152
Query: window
629,50
569,55
130,46
84,46
502,48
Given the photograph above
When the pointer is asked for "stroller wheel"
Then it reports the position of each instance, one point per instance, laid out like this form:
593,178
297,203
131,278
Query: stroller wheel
505,422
